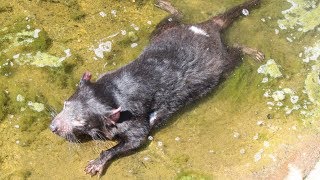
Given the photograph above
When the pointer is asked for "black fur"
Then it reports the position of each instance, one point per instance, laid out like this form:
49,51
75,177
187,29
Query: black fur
177,67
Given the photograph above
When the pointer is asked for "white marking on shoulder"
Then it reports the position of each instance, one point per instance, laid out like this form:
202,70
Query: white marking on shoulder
153,117
197,30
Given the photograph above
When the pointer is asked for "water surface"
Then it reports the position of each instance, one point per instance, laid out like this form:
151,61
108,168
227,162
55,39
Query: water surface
241,129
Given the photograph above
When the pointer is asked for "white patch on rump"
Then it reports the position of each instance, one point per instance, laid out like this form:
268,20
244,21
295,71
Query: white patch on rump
197,30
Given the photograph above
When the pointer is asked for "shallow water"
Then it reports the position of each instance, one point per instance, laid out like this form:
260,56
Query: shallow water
241,129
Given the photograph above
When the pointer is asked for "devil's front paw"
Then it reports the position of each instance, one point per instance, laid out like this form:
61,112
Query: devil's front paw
95,167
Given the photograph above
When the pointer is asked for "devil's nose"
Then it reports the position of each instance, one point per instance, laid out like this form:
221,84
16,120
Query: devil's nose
53,128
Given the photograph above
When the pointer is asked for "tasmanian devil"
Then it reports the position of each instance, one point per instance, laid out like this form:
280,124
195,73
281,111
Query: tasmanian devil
182,63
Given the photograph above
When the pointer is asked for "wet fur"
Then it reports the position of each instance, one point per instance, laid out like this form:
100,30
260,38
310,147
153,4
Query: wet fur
178,67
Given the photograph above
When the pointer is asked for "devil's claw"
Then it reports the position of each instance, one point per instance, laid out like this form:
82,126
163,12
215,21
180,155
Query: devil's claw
94,167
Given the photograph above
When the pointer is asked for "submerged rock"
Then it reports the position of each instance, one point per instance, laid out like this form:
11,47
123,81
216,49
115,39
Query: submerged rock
40,59
278,96
302,15
36,106
102,48
312,53
271,69
20,98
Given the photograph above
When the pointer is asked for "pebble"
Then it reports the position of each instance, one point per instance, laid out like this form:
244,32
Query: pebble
256,136
36,33
177,139
149,22
114,13
265,80
266,144
258,155
160,143
150,138
260,123
123,32
294,99
289,39
270,103
135,27
133,45
278,96
16,56
102,14
236,135
245,12
242,151
17,126
280,104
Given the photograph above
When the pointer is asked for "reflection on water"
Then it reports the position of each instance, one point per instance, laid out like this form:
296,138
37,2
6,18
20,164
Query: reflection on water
259,113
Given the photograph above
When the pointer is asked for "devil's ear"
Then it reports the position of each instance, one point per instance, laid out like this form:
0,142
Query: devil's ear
85,78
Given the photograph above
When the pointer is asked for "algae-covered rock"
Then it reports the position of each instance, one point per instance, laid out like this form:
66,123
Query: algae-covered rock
20,98
27,47
302,15
278,96
271,69
36,106
24,41
312,53
39,59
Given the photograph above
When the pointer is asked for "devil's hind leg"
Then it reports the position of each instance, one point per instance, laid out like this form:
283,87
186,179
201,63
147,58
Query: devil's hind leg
169,22
226,19
167,6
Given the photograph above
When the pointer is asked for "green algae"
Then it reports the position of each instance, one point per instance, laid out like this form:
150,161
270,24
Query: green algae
302,15
25,40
